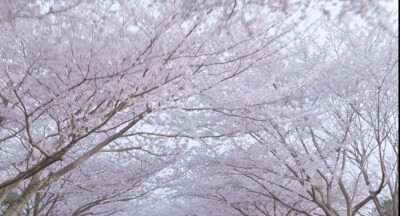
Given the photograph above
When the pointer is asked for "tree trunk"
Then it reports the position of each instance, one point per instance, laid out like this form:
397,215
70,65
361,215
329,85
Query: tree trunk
34,185
7,190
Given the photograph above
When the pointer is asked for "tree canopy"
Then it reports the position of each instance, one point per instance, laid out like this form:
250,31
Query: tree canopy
195,107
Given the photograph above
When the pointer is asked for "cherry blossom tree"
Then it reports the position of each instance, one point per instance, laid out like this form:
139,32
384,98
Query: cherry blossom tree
80,79
328,148
104,102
